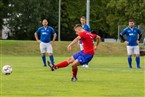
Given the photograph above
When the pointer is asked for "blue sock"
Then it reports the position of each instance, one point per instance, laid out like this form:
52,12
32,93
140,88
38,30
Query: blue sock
130,61
44,60
138,61
51,59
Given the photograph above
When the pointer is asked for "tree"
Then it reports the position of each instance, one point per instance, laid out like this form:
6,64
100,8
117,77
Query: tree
3,12
25,16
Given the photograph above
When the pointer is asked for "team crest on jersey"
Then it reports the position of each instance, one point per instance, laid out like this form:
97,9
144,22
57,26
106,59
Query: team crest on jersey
135,31
129,30
47,30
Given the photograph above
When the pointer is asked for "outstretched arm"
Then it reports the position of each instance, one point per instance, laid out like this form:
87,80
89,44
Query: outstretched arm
72,43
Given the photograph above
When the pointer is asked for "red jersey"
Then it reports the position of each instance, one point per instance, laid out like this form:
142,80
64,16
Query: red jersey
87,40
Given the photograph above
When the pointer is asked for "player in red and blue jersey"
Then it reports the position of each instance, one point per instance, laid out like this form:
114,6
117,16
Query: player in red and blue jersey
133,37
87,28
45,41
82,57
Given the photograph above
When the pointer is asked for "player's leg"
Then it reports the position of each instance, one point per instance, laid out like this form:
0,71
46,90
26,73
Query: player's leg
61,64
50,53
64,63
43,50
130,61
44,59
75,70
81,59
137,53
51,58
130,52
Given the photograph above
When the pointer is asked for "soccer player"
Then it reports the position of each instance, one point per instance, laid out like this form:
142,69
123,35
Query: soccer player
132,40
45,41
81,57
87,28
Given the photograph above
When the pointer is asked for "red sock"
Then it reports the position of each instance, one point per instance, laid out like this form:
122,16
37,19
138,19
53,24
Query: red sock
74,71
61,65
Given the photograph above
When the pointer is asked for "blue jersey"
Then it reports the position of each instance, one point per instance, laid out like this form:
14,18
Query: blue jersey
45,33
86,27
131,35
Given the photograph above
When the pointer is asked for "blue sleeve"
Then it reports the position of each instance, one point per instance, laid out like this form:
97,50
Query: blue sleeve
52,31
38,31
123,32
139,32
87,28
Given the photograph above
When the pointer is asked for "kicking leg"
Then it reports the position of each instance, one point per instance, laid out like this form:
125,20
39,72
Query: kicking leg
61,64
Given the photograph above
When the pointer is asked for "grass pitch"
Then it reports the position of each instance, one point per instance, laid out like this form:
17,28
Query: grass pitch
105,77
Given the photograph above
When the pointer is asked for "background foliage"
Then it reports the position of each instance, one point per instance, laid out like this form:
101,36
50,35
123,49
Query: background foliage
25,16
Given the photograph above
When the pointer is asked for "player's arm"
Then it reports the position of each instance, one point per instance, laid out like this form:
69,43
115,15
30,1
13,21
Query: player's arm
98,38
140,36
36,37
54,37
122,38
73,42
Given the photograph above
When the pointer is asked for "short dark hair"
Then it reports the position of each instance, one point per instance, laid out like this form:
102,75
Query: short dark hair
130,20
77,25
83,17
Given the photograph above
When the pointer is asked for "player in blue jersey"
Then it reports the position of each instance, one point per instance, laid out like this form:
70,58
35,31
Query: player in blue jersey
87,28
133,37
45,32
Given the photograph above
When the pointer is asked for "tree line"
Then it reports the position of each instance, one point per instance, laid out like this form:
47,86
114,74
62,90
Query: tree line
24,16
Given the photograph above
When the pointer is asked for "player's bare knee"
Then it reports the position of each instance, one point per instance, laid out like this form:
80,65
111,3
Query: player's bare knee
50,54
129,55
137,55
70,60
43,54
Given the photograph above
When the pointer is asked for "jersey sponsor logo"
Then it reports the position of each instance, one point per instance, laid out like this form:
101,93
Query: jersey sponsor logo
44,33
131,34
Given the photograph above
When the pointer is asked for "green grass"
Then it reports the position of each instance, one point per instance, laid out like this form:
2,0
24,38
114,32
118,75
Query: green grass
31,48
105,77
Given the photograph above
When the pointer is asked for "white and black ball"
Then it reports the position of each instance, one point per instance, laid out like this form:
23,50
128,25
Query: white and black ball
7,69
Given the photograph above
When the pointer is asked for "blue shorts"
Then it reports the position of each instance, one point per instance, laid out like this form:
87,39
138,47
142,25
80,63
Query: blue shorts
82,57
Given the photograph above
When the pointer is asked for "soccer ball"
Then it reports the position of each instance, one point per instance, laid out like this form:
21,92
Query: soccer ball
7,70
